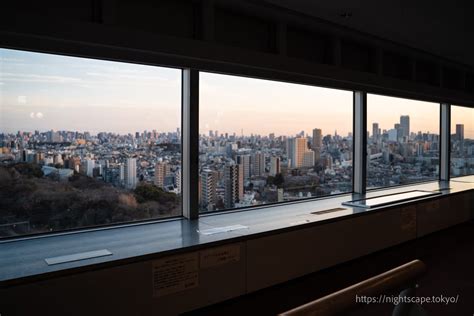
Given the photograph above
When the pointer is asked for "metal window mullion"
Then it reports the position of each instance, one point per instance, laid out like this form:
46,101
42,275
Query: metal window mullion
190,150
360,142
445,139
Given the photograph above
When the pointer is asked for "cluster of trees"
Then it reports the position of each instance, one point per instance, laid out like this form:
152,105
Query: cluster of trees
277,180
49,205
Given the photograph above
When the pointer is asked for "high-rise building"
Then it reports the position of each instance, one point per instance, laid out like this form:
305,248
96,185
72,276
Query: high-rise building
162,170
328,162
392,135
230,148
405,125
177,176
244,161
317,138
87,167
258,164
308,159
234,184
130,173
53,137
275,166
317,155
296,148
121,177
460,132
375,131
208,191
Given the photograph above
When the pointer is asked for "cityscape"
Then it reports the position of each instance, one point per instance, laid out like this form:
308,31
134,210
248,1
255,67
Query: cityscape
59,179
56,180
400,156
241,171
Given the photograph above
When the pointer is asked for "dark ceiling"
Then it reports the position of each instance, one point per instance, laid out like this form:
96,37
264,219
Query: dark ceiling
444,28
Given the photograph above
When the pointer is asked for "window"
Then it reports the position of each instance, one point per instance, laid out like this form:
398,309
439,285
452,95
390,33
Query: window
86,142
402,141
462,141
264,142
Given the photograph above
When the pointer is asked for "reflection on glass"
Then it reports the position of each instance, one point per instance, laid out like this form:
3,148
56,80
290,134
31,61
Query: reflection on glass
462,141
402,141
86,142
389,199
264,142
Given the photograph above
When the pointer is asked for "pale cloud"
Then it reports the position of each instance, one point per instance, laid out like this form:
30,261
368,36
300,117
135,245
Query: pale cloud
36,78
9,59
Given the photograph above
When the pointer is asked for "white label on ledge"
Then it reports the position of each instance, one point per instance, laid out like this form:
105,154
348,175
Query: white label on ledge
220,255
224,229
175,274
305,221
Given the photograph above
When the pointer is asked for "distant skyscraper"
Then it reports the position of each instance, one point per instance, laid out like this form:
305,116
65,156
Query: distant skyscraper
53,137
308,159
258,164
328,162
162,170
234,184
130,173
317,138
405,125
393,135
296,149
230,148
460,132
275,166
244,161
208,192
375,131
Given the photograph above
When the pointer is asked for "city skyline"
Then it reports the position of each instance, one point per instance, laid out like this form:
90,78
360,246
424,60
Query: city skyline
307,134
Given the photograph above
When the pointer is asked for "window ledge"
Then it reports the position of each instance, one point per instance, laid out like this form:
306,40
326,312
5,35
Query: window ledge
23,260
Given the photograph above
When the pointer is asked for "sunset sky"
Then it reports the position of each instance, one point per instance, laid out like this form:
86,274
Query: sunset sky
44,91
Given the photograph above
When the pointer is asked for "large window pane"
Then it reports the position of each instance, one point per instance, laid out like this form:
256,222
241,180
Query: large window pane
86,142
265,142
462,141
403,141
